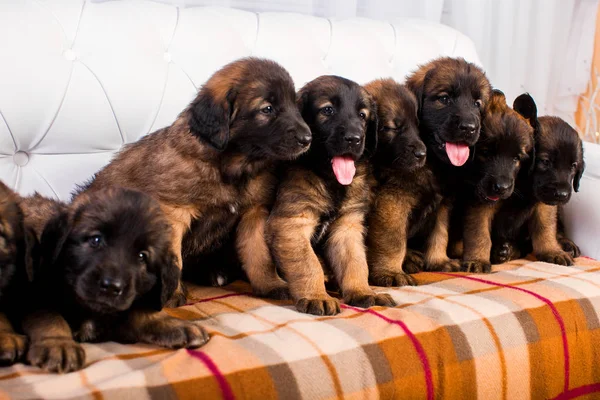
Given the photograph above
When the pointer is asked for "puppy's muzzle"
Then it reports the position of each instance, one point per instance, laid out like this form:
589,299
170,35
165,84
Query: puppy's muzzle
111,286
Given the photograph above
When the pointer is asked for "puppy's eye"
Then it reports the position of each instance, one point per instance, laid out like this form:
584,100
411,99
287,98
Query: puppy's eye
95,241
362,115
267,110
574,165
516,159
444,99
327,110
143,256
478,103
545,163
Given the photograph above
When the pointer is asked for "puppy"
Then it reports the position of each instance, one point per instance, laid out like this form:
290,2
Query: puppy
107,269
17,248
211,170
505,144
531,222
323,199
404,185
452,95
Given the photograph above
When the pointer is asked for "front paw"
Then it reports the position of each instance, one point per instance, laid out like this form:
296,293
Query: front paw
570,247
369,299
476,266
174,333
392,279
56,354
558,257
443,265
318,306
12,347
178,299
504,253
414,262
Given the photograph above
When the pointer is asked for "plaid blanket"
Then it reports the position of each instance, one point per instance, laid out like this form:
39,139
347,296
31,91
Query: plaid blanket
530,330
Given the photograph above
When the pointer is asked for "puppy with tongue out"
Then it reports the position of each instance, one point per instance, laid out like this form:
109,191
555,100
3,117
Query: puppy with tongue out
452,95
318,220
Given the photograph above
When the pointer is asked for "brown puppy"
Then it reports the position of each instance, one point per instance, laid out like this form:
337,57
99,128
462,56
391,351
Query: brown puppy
404,184
505,144
531,221
324,197
17,246
452,95
107,269
212,167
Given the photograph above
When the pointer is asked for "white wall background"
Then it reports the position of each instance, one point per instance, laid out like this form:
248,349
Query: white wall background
543,47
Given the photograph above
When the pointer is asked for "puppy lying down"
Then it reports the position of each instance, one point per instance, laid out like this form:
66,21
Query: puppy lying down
105,273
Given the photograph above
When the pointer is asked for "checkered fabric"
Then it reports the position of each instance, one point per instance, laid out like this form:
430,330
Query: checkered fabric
529,330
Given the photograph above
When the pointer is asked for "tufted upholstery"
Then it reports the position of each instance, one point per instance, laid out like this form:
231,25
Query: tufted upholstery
79,79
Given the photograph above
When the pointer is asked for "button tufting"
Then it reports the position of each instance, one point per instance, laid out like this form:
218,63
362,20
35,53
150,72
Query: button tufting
21,158
167,57
70,55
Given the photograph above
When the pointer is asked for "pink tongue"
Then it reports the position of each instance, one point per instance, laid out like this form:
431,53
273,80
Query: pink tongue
457,153
344,169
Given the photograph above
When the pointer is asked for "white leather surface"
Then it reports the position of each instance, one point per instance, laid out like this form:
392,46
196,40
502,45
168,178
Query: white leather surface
80,79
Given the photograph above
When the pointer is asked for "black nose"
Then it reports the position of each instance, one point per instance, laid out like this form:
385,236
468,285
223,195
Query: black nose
467,127
352,139
111,286
501,186
304,138
561,195
419,153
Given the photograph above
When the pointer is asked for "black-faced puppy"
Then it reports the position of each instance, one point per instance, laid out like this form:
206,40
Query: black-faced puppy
452,95
531,222
17,246
107,269
324,197
404,185
212,169
505,144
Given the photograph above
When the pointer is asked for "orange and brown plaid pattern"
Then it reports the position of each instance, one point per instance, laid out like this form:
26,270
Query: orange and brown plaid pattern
529,330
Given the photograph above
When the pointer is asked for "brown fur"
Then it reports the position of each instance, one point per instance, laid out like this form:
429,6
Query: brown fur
314,213
213,165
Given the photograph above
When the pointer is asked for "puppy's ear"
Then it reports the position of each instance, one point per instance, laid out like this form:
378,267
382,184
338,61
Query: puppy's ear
578,173
32,257
371,134
497,101
416,84
168,275
210,117
302,102
525,106
54,237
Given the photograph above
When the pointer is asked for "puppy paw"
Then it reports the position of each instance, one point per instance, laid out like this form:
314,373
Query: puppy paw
504,253
444,265
570,247
174,333
322,306
56,354
369,299
177,300
12,347
392,279
476,266
559,257
414,262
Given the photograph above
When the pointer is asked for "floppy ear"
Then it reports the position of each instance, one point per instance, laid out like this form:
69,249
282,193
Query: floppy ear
371,134
525,106
209,117
53,239
168,275
416,84
497,101
578,174
302,102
